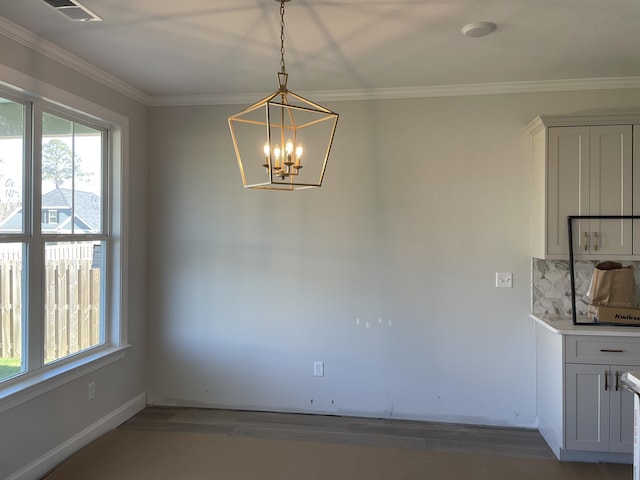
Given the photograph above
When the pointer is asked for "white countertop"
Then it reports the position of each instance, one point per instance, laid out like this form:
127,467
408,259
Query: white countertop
563,324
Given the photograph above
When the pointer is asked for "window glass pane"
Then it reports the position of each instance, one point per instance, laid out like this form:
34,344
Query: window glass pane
73,298
11,320
71,177
11,166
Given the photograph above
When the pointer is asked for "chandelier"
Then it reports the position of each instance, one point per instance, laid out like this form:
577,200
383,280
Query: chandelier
283,141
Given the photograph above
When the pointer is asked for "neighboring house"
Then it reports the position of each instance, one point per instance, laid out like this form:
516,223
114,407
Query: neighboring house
60,211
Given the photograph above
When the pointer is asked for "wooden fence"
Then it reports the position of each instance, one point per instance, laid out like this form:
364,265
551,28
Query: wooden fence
71,304
10,303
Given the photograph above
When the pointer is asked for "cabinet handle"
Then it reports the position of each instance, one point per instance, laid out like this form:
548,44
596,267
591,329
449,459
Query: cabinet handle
610,350
595,241
606,380
586,241
617,381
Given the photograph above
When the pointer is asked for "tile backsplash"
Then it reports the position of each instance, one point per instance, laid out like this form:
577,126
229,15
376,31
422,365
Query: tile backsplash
552,285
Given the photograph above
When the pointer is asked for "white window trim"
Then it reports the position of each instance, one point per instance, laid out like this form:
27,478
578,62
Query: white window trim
24,387
32,385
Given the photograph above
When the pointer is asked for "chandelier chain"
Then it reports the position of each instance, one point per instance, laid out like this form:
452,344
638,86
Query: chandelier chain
282,67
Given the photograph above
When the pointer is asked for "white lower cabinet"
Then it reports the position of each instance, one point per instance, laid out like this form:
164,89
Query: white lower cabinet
584,413
599,411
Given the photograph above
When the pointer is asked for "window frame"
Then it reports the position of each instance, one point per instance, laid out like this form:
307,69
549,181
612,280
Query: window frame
38,377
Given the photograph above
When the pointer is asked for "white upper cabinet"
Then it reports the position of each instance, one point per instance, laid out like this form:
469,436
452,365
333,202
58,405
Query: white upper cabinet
585,166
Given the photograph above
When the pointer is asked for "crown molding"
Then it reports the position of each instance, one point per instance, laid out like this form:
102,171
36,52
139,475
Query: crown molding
48,49
30,40
413,92
545,121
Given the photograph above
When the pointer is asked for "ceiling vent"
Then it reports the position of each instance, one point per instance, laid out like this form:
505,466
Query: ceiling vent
74,11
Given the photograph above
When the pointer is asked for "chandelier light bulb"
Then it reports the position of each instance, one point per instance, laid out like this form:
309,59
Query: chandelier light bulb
267,151
276,154
289,150
298,156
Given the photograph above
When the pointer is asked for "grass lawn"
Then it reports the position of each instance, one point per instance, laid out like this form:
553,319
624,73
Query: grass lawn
9,367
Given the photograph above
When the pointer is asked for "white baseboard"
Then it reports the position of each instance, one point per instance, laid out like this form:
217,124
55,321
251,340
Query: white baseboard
54,457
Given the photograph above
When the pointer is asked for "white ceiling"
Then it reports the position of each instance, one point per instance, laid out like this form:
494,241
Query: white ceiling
232,47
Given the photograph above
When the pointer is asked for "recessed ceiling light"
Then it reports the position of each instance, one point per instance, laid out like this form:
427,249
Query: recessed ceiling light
479,29
73,10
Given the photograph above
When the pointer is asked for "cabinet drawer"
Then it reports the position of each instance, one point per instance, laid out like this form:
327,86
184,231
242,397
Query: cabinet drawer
602,350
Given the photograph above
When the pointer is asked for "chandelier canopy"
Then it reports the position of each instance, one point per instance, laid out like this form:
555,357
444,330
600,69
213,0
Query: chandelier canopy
283,141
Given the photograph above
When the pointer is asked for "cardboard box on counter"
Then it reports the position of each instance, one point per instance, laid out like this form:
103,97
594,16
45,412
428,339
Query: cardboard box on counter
618,315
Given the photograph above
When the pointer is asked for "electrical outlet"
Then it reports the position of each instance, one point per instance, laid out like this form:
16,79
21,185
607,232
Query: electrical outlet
91,390
504,279
318,369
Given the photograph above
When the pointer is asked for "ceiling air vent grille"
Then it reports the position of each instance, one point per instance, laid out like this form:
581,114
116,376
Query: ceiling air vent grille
74,11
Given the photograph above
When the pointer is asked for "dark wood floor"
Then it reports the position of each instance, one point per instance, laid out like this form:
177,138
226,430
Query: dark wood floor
438,437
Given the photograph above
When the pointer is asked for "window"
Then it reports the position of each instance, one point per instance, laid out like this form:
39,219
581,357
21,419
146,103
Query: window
13,137
58,213
50,216
71,171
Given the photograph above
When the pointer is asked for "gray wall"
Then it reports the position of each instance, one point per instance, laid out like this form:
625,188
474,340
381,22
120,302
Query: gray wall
424,200
35,429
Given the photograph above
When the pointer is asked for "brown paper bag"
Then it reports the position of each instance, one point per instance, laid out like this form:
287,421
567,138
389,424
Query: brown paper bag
612,285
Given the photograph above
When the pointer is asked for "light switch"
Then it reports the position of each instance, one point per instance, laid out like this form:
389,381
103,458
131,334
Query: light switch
504,279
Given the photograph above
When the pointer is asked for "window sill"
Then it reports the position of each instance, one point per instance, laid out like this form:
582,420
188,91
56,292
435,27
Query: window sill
31,385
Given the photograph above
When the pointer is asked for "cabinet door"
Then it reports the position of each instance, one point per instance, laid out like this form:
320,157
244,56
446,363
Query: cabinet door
587,407
610,190
567,187
620,413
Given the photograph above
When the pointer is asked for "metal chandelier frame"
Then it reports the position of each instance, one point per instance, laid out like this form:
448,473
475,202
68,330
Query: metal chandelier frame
287,123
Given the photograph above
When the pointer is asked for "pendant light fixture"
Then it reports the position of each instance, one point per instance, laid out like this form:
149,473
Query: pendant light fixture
283,141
